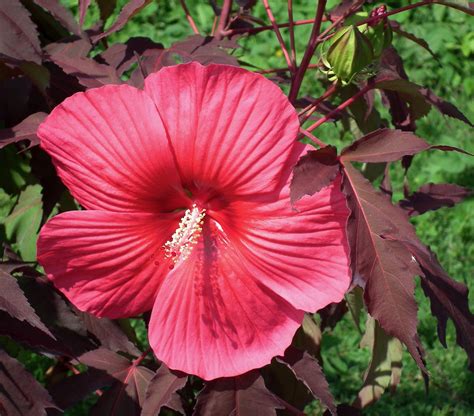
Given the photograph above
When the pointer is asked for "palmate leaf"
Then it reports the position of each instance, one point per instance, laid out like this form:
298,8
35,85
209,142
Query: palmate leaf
88,72
315,170
127,393
26,130
131,8
449,299
307,370
237,396
18,35
385,266
162,390
20,393
14,302
385,365
433,196
384,145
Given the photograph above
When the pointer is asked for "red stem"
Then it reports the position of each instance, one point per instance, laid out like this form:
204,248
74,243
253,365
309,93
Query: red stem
310,109
292,33
278,35
189,17
313,138
141,358
226,8
313,42
341,107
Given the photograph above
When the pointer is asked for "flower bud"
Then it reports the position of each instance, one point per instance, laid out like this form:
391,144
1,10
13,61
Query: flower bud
349,53
379,31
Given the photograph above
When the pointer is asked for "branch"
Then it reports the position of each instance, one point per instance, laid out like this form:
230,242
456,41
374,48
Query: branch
341,107
278,35
313,42
226,8
189,17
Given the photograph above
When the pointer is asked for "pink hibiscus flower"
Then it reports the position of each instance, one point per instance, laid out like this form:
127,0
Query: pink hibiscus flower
186,190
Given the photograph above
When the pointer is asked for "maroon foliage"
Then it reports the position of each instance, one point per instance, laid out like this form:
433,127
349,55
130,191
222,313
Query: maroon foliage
384,145
14,302
127,393
242,395
18,36
386,267
20,393
433,196
26,130
128,11
314,171
161,392
307,370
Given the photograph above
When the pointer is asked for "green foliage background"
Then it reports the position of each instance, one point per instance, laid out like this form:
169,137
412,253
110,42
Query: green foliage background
448,231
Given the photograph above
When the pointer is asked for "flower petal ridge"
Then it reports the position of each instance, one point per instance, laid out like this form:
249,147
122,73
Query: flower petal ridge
186,190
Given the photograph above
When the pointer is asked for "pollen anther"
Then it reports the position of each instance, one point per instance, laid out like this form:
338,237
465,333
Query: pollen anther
186,235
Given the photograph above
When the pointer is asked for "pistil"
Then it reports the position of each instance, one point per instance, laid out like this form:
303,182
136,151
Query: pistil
186,235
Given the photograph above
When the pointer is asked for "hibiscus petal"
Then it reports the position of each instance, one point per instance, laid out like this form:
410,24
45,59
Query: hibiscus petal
229,128
212,319
110,149
108,264
300,253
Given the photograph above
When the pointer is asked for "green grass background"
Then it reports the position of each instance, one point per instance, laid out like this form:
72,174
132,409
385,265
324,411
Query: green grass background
448,231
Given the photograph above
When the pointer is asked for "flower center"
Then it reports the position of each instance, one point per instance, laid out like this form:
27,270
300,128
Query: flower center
186,235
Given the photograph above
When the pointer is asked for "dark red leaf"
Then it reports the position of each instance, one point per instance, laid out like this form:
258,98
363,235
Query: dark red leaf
162,392
384,145
445,148
385,266
18,36
202,49
237,396
433,196
449,299
109,334
83,6
73,389
73,47
122,55
106,8
410,36
26,130
332,314
88,72
127,394
69,335
129,10
61,14
344,7
20,393
14,302
307,370
315,170
443,106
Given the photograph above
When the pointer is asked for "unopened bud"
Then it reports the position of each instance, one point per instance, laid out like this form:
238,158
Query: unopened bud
349,53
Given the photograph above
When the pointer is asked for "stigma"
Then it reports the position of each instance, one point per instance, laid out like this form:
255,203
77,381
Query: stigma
186,235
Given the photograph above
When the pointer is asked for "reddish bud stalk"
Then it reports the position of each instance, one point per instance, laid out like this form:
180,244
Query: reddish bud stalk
313,138
340,107
189,17
313,42
292,33
310,109
278,35
226,8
